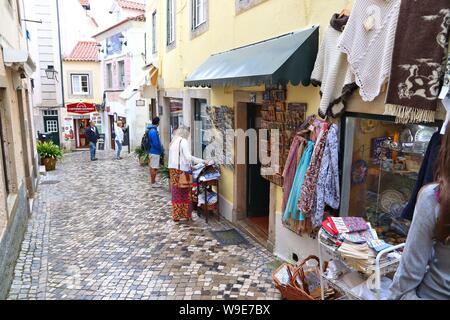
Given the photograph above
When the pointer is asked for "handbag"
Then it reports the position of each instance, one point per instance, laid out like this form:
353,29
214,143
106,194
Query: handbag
185,179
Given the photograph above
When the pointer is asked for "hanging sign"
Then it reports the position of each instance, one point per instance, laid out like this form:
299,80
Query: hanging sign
81,108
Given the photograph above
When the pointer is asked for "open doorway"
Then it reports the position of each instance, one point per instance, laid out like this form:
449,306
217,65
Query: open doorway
258,188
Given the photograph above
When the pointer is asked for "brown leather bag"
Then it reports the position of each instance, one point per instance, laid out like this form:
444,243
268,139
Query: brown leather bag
185,179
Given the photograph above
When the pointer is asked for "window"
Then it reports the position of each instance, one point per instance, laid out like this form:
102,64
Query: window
154,48
52,126
201,125
121,73
198,13
50,113
170,21
109,75
381,161
80,84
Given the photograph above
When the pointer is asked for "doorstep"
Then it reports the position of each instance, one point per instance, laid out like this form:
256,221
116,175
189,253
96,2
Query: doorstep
255,232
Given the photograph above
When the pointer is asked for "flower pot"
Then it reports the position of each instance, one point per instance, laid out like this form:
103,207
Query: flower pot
49,163
144,161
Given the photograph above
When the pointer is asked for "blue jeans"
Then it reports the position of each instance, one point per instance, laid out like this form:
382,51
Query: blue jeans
119,149
92,149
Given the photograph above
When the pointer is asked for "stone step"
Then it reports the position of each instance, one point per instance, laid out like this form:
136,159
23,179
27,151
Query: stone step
42,171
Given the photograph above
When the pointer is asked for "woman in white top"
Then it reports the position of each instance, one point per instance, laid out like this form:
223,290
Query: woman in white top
119,139
180,161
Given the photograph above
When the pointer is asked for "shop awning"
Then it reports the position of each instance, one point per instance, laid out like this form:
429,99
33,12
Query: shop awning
20,58
288,58
148,76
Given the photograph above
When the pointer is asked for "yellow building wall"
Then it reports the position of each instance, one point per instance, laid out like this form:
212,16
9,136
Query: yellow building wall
96,80
228,30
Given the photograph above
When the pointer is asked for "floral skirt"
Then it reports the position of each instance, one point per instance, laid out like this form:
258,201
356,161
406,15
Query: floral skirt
181,198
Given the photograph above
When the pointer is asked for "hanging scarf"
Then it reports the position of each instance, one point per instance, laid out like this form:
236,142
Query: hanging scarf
297,147
307,200
419,60
291,211
369,51
328,190
332,71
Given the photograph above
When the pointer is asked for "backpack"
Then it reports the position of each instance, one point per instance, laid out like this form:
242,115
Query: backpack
145,143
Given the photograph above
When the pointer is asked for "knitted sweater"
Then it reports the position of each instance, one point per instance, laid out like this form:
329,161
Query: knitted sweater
332,71
369,53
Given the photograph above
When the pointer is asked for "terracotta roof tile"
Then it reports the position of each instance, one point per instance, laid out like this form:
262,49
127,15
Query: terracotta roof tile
131,5
84,51
84,3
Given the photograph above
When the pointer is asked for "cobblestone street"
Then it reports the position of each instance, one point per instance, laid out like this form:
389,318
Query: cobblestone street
98,231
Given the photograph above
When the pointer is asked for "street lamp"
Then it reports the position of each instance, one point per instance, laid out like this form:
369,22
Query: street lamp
51,73
122,40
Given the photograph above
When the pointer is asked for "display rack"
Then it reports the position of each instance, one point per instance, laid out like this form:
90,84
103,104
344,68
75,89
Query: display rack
377,271
207,208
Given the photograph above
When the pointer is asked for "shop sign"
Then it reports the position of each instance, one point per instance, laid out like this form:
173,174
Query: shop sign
81,108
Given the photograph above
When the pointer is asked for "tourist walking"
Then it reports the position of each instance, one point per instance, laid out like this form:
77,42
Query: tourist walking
155,151
424,271
180,161
119,139
92,136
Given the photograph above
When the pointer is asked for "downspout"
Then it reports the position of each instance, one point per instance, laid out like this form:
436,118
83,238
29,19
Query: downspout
60,58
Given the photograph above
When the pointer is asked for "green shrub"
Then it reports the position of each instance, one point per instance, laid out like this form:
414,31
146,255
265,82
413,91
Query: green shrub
49,150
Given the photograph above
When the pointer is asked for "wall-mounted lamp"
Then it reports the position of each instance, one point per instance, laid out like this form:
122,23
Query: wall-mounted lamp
51,73
122,40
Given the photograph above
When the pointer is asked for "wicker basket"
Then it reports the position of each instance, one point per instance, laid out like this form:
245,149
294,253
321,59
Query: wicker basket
293,290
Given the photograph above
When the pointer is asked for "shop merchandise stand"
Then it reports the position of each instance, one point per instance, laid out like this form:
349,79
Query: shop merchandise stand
377,271
207,208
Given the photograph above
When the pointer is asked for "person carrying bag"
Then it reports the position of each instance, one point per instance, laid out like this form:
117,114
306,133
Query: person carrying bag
180,160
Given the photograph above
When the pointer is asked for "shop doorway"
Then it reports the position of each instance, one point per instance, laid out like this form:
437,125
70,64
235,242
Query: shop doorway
111,131
81,125
51,125
258,188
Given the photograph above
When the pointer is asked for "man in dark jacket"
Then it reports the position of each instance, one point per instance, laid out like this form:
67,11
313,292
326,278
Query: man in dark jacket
92,136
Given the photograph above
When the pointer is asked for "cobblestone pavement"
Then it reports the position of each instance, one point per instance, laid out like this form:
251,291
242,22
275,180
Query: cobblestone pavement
99,231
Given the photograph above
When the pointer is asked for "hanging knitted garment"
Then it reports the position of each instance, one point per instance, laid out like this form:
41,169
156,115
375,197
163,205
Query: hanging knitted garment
418,65
328,190
369,53
332,72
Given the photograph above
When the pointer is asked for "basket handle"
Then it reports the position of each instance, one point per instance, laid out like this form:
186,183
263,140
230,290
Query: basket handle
299,272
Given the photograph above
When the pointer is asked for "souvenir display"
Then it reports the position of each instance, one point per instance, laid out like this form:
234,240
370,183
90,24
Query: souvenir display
360,171
287,118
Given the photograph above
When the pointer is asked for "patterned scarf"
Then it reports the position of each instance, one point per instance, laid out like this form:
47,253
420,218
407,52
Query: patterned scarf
418,61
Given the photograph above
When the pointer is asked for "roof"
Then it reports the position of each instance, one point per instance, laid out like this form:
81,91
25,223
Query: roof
139,18
84,51
131,5
287,58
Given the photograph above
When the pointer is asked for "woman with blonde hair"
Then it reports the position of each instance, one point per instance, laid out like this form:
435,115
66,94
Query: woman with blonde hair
180,161
119,139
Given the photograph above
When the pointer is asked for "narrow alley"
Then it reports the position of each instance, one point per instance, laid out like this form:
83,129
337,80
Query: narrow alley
98,231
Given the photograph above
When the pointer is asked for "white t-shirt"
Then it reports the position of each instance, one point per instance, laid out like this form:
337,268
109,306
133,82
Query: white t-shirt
119,134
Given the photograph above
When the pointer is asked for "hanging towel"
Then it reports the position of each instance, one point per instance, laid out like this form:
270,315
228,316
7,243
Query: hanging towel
328,190
332,72
291,206
419,59
297,147
307,200
369,51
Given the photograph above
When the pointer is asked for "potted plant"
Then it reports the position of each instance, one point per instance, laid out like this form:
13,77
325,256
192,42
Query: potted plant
49,153
144,158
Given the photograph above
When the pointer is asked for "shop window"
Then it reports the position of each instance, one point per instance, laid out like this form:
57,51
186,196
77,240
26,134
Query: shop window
170,22
80,84
381,162
201,125
176,114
